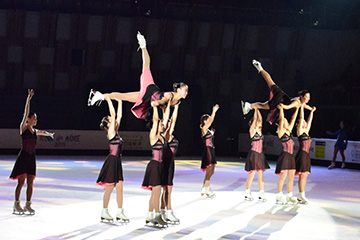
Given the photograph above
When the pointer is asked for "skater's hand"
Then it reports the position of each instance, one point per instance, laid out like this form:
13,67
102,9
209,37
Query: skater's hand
52,135
281,105
154,103
313,109
30,93
216,107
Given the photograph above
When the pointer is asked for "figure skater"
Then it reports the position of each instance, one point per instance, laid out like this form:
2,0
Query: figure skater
255,161
208,161
302,159
111,174
149,91
169,168
25,165
285,165
340,144
153,174
276,96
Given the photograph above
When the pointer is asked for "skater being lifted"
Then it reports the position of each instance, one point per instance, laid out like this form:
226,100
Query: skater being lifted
149,91
276,96
111,174
25,165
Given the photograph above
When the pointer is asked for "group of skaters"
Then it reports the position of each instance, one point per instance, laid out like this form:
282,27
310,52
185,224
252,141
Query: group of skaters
160,110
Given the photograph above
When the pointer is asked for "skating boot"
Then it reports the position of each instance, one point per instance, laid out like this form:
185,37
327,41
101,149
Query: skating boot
301,198
28,208
120,216
158,221
262,197
209,192
95,98
203,191
331,166
149,217
246,107
105,216
17,209
290,198
171,217
280,199
163,213
343,165
257,65
141,40
248,195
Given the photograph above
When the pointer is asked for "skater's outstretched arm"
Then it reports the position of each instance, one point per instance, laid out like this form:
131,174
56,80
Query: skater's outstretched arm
166,115
280,129
171,128
293,119
44,133
153,132
118,115
23,124
111,126
211,118
310,118
252,130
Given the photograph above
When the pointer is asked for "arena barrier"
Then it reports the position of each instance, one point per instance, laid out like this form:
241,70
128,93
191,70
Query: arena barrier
321,148
76,140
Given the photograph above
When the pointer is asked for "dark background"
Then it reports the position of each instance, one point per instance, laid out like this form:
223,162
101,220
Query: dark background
63,48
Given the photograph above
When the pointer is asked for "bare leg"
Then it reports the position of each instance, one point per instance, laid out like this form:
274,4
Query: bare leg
146,59
156,191
260,105
249,179
342,155
107,193
30,187
18,188
302,182
336,149
209,172
267,78
119,194
168,197
260,175
163,198
129,97
290,180
281,181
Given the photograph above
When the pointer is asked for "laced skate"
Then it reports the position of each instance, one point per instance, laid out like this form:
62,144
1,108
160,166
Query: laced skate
28,209
149,217
246,107
280,199
158,221
257,65
141,40
95,98
170,217
290,198
262,197
120,216
248,195
301,198
105,216
209,192
17,209
203,191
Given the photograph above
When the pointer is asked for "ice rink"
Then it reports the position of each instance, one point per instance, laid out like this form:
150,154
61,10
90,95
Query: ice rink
68,203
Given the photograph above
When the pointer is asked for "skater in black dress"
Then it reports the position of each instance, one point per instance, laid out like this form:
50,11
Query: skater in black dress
169,167
25,165
111,174
302,159
285,165
255,161
154,169
277,96
208,160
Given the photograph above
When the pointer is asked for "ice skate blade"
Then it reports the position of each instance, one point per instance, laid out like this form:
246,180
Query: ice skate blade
249,199
302,202
122,220
173,222
262,200
91,95
18,213
105,220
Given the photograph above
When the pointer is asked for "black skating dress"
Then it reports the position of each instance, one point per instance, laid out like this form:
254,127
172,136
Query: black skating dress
169,165
154,169
302,159
286,160
255,160
208,155
25,162
111,171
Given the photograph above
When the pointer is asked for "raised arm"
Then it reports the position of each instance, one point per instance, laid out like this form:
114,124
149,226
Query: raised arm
118,114
44,133
211,118
310,118
26,111
252,129
153,131
280,129
166,115
111,127
173,122
293,119
300,127
167,98
295,102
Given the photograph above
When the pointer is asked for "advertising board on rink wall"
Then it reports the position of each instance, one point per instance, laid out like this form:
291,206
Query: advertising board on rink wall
76,140
321,148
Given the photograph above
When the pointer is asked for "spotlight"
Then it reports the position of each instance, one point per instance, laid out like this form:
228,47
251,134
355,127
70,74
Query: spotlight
316,23
301,11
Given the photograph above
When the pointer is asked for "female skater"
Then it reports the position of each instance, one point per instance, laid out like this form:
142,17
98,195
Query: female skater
153,173
169,168
111,174
25,165
255,161
303,163
208,161
340,145
276,96
149,91
285,165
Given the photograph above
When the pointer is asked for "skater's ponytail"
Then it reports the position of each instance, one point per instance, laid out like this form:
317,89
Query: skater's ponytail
104,123
303,92
178,85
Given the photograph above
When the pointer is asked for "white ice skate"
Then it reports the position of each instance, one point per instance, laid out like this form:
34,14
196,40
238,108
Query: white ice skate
209,192
159,221
248,195
170,217
290,198
149,217
105,216
280,199
17,209
262,197
343,165
257,65
120,216
203,191
301,198
141,40
331,166
246,107
28,209
95,98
